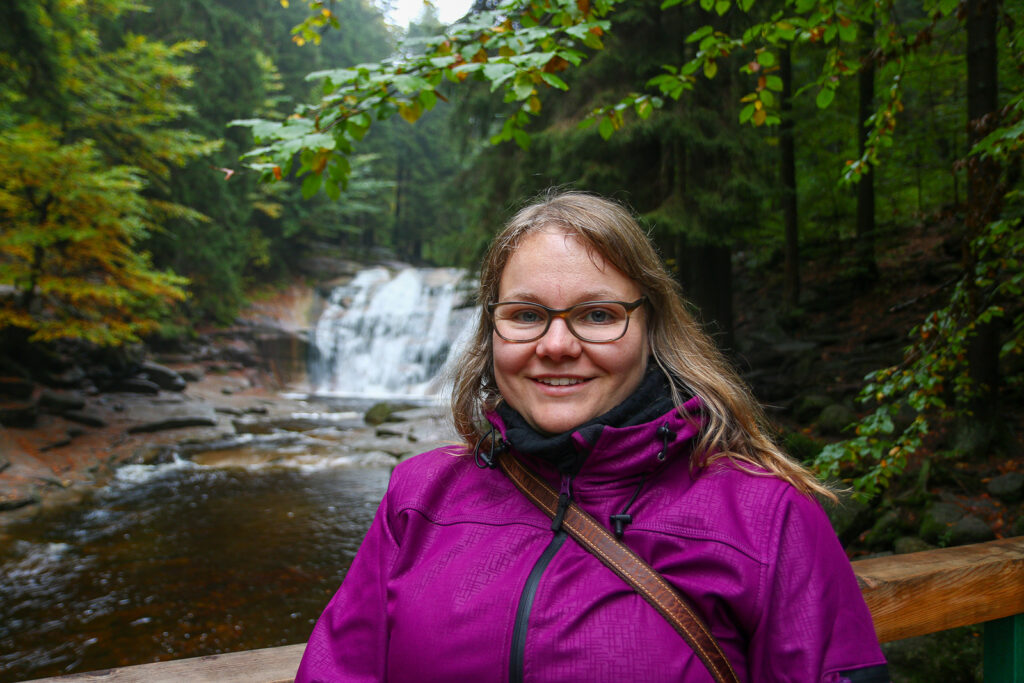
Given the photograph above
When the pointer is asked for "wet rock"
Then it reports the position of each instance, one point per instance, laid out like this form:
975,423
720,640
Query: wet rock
162,376
192,373
910,544
201,419
16,388
59,443
72,377
60,401
228,410
85,417
835,419
937,520
380,413
296,423
18,413
970,529
14,497
1007,487
135,385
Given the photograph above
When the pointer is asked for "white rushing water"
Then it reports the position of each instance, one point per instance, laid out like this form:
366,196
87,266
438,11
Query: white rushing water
388,334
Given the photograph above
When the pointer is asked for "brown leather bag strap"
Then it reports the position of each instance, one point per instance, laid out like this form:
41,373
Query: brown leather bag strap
632,568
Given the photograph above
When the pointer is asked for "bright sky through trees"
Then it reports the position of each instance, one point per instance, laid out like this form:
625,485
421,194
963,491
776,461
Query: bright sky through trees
404,11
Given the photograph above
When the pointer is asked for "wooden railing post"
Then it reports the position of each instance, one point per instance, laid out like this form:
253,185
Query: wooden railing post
1004,650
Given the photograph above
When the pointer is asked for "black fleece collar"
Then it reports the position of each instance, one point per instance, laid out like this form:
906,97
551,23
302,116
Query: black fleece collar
650,400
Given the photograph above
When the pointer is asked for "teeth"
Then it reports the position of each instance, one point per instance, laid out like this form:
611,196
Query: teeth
559,381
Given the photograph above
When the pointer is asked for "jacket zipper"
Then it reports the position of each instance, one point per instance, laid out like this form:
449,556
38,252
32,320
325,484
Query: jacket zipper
517,661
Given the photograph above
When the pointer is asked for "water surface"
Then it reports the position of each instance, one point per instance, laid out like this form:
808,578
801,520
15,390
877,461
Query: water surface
180,560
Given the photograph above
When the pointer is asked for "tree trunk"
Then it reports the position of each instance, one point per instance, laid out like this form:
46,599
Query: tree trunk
865,250
984,195
787,171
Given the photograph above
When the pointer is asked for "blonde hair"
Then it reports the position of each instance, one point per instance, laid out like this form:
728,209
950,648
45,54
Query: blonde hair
735,425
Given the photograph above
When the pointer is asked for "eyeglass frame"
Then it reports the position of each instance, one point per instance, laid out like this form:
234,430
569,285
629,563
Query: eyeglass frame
563,313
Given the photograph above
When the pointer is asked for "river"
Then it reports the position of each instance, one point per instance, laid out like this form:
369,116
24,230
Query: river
180,560
239,549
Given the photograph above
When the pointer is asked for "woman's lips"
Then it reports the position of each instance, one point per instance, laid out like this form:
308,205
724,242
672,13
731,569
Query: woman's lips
559,381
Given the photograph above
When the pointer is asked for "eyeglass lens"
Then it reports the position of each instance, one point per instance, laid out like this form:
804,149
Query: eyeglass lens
595,321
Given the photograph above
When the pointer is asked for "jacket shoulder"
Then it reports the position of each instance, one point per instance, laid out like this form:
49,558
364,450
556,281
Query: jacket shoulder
738,505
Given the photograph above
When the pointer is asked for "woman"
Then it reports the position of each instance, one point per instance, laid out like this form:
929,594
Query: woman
587,368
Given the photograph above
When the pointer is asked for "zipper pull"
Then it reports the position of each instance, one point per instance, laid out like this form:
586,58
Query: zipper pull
564,498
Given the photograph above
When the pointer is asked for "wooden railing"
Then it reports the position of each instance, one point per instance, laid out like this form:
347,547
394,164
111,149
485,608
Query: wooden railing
908,595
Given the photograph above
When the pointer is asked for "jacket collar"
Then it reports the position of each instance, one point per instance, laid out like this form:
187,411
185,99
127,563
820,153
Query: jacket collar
598,453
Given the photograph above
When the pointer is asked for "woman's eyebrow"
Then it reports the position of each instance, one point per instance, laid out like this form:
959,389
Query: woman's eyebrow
593,295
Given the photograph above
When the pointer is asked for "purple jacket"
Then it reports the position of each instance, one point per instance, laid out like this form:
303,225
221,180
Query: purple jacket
460,577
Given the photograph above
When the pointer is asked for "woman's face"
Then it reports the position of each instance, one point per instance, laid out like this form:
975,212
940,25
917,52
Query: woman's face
559,382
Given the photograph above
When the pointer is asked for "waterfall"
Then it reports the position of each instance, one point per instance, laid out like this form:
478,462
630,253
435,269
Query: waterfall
387,334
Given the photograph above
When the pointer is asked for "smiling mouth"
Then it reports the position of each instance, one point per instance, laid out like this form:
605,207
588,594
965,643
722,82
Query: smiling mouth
559,381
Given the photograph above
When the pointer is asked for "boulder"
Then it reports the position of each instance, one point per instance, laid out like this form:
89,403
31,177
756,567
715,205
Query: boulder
382,412
1008,487
60,401
849,517
16,388
885,531
18,413
162,376
835,419
970,529
72,377
135,385
85,417
937,520
155,417
174,422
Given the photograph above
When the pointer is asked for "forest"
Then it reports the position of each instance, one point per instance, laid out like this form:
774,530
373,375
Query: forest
165,164
837,187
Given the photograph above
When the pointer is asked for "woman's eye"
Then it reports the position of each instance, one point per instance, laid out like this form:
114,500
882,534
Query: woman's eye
597,316
527,316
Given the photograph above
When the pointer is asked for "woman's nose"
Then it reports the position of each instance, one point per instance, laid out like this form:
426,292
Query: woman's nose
558,342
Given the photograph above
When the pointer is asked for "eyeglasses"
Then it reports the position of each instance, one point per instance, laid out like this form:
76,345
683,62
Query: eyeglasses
598,322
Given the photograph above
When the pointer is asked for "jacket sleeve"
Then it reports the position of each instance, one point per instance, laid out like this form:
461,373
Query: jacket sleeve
814,624
349,641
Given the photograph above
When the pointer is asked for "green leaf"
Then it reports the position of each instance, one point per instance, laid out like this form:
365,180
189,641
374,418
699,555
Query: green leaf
722,6
644,109
522,138
710,68
746,113
311,184
554,81
825,97
606,128
428,98
707,5
497,73
670,3
773,83
699,34
767,98
766,58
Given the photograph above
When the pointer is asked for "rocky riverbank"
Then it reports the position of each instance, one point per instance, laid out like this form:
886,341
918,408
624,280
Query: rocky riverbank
215,406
